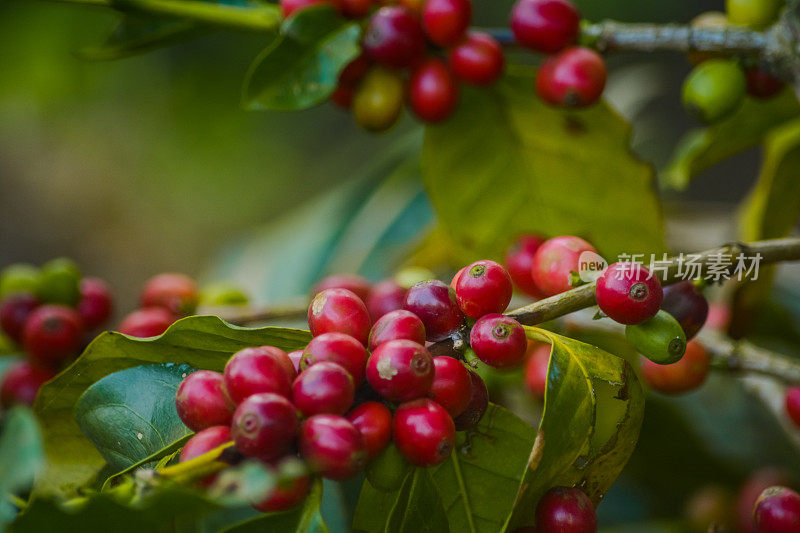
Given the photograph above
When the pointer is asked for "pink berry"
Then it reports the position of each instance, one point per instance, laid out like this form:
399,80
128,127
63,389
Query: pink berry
264,426
575,77
204,441
777,510
14,312
401,370
202,401
396,325
52,334
339,311
394,37
628,293
324,388
749,492
536,370
424,432
546,26
374,421
435,304
432,91
386,296
95,305
332,446
793,404
554,260
565,509
21,383
498,341
177,293
337,348
452,385
446,21
484,288
519,263
257,370
477,60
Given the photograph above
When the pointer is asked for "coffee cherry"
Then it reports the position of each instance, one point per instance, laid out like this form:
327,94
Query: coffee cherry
95,304
777,510
628,293
446,21
396,325
340,349
536,370
400,370
793,404
204,441
14,312
519,263
378,100
452,385
761,84
661,339
349,79
575,77
147,322
177,293
687,305
457,278
432,91
435,304
686,375
256,370
554,260
19,278
292,487
394,37
332,446
477,60
478,403
563,509
749,492
340,311
52,334
202,401
323,388
21,382
264,426
358,285
386,296
59,282
424,432
714,90
290,7
547,26
374,421
356,9
295,357
753,13
387,471
498,341
223,293
484,288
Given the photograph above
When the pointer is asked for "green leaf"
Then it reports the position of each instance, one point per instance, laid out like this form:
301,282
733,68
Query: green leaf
301,68
304,519
204,342
136,34
506,163
21,457
164,455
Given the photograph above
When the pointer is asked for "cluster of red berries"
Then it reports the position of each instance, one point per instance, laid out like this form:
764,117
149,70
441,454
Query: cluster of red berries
164,299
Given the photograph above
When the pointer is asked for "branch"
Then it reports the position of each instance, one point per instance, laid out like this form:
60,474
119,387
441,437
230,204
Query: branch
742,357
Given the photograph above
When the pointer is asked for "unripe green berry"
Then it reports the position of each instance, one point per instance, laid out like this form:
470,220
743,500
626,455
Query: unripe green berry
714,89
661,339
60,282
378,101
753,13
223,293
388,470
19,278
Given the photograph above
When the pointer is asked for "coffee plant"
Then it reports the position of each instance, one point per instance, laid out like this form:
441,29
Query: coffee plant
469,351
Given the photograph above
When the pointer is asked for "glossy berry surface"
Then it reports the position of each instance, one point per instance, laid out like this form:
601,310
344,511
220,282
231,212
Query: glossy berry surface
397,325
546,26
792,402
575,77
204,441
96,304
177,293
374,421
346,85
358,285
478,403
387,471
255,370
424,432
714,90
686,375
332,446
627,293
337,348
401,370
687,305
323,388
434,302
749,492
565,510
519,263
264,426
478,59
52,334
446,21
378,100
761,84
340,311
498,341
536,370
14,312
452,385
432,91
202,401
394,37
386,296
21,382
661,339
147,322
292,486
554,260
777,510
483,288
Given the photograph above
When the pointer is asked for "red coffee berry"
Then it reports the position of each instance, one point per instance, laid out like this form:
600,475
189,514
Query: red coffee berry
14,312
342,96
554,260
424,432
477,60
332,446
204,441
396,325
457,277
676,378
339,310
547,26
683,301
563,509
340,349
519,263
324,388
777,510
762,84
749,492
292,487
386,296
358,285
295,357
536,370
356,9
484,288
177,293
256,370
21,382
478,403
52,334
432,91
452,385
374,421
628,293
95,304
446,21
575,77
147,322
498,341
400,370
394,37
793,404
202,401
435,304
264,426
